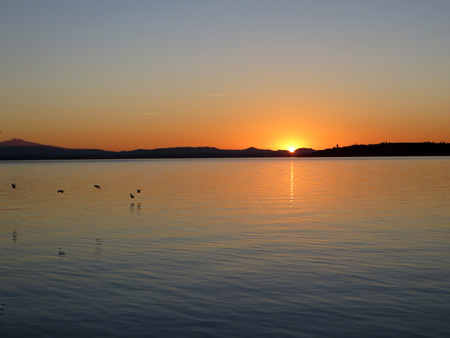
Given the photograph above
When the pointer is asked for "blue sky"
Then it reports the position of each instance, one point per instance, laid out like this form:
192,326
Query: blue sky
232,74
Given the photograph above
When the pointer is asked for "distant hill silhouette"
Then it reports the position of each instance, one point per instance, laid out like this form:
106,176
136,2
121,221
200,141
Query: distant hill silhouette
17,142
387,149
18,149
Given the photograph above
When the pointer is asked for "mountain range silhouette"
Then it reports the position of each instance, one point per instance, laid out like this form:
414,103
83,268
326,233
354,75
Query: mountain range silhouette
18,149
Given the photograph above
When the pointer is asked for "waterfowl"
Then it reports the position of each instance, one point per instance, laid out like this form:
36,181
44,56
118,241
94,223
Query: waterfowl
97,186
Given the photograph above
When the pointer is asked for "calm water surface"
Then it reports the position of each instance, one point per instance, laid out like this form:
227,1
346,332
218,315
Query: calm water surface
226,248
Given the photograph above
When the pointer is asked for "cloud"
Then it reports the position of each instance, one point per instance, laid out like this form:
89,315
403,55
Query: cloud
117,114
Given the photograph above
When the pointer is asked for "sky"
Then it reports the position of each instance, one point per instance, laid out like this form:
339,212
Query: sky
232,74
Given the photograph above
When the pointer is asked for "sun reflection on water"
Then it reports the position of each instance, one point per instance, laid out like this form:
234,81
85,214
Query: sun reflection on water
292,183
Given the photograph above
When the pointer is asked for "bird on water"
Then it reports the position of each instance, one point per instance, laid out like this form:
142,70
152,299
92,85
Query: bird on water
131,195
13,186
61,253
61,191
97,186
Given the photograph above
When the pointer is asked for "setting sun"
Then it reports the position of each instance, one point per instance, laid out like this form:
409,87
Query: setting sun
291,149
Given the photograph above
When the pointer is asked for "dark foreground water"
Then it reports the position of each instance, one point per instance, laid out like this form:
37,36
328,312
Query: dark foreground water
226,248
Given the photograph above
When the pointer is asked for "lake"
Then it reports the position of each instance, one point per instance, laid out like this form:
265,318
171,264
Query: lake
290,247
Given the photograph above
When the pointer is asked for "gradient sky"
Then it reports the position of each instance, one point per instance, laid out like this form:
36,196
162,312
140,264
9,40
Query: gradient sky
121,75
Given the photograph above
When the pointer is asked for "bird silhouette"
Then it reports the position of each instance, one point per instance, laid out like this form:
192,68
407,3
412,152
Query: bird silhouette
13,186
131,196
97,186
61,191
138,191
61,253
